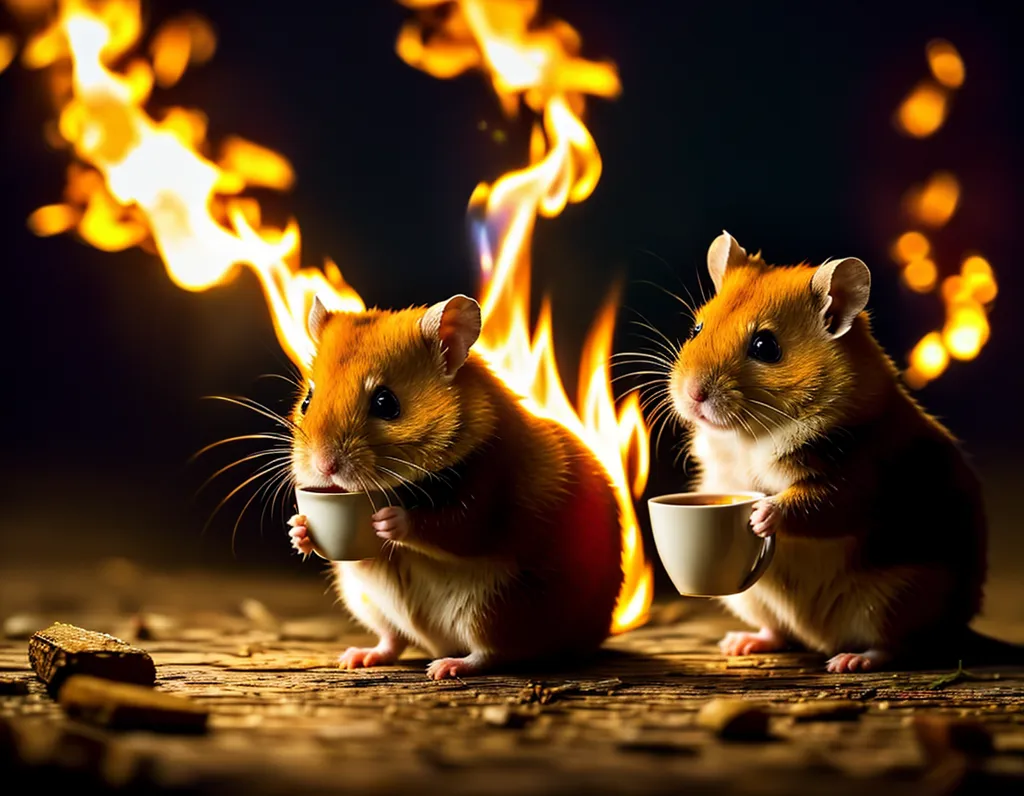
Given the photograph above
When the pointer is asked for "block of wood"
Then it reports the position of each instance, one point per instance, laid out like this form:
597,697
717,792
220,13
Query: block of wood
127,706
62,650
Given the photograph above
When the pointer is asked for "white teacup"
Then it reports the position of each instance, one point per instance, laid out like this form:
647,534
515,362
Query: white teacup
706,543
339,523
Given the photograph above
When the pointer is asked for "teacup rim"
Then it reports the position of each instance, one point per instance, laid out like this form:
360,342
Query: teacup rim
751,495
326,490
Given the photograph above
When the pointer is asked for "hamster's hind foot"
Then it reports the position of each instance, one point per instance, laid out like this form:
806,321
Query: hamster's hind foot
456,667
742,643
386,652
869,661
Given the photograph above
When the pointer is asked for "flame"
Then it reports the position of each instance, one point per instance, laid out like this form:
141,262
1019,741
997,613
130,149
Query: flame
152,182
144,181
967,296
538,65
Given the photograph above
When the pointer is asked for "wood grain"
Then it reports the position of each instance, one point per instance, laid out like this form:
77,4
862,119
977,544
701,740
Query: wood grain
258,655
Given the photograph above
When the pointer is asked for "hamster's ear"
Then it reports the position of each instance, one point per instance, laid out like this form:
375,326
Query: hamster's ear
318,316
724,253
843,287
455,324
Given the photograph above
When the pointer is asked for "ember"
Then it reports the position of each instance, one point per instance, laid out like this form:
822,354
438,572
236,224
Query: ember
968,295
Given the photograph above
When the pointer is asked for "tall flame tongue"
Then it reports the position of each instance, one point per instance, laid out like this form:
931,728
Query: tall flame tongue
538,65
150,182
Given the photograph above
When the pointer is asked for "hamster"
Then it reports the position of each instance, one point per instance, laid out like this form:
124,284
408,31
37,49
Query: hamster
879,521
505,546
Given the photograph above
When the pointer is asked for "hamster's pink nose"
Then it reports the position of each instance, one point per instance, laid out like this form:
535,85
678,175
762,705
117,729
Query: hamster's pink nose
327,465
697,392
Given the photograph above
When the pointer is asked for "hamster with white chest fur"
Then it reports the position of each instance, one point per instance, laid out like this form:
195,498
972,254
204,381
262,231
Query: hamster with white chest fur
506,547
879,522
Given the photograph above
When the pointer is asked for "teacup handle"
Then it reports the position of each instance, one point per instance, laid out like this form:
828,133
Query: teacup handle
767,554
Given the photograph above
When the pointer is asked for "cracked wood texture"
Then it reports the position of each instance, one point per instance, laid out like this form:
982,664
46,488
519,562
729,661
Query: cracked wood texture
258,651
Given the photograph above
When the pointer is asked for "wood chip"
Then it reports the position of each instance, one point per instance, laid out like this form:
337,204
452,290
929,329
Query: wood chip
827,710
940,735
62,650
734,719
127,706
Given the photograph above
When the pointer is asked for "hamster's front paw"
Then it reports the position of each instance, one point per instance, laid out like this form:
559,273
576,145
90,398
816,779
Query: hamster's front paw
392,523
764,517
300,534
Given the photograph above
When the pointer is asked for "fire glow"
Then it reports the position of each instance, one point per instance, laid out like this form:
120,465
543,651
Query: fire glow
138,180
968,295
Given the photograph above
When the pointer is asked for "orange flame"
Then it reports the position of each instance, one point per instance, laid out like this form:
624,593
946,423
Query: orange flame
151,182
538,65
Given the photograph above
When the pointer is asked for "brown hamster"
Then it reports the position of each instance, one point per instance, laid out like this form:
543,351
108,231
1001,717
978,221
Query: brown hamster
506,547
879,522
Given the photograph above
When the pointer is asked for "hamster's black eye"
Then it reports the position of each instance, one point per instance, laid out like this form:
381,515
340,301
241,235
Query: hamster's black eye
304,407
696,329
384,404
764,347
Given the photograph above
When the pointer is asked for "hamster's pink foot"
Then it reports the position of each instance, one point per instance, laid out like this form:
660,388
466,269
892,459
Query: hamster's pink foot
868,661
456,667
764,517
300,534
392,523
385,653
741,643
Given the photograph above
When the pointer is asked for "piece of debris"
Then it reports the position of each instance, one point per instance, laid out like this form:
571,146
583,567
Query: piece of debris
827,710
10,687
62,650
958,675
257,613
940,735
503,716
734,719
538,692
127,706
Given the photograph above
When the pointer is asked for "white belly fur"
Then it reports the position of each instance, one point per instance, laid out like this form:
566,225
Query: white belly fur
436,605
810,593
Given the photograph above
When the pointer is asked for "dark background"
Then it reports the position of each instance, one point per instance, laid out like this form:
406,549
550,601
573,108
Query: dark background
772,120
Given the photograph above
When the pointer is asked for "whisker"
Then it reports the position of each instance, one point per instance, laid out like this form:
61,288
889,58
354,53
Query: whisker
635,373
644,323
258,474
279,452
655,397
669,293
260,409
798,421
404,480
424,470
272,436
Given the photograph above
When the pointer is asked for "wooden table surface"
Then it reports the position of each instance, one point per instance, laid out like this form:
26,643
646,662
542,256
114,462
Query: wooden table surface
259,652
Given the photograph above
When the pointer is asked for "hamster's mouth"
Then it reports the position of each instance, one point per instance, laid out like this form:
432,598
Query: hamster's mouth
702,417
